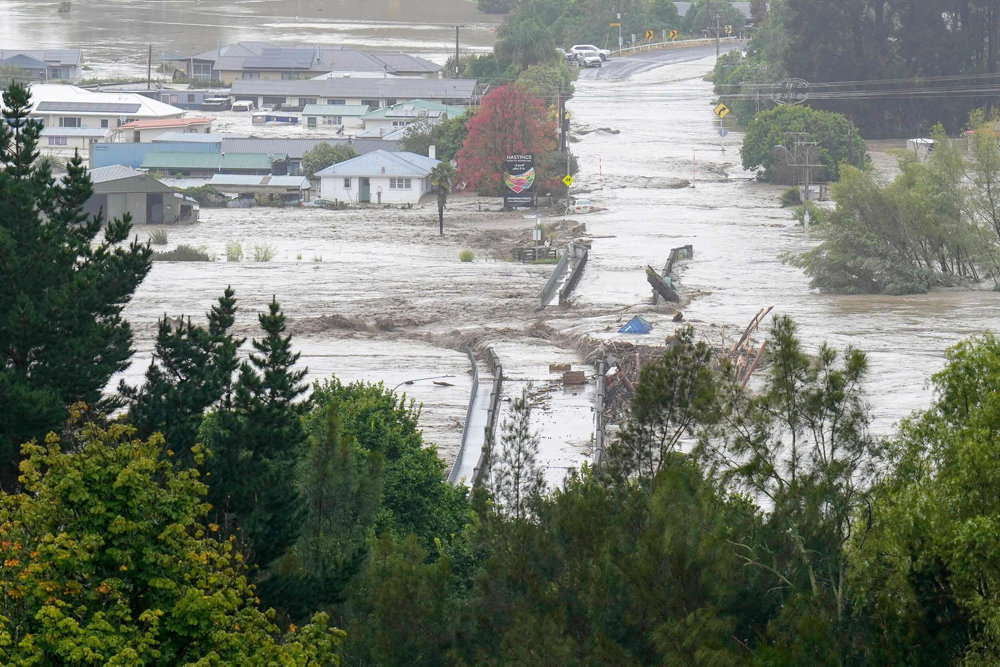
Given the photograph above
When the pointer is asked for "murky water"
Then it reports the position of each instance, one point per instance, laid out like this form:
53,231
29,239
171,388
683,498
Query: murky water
115,34
739,235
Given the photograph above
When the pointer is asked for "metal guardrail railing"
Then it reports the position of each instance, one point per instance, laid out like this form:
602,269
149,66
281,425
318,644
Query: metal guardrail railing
675,44
580,256
682,252
553,283
482,466
453,477
599,415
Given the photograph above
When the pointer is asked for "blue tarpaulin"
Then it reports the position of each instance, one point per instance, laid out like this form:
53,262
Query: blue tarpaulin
636,325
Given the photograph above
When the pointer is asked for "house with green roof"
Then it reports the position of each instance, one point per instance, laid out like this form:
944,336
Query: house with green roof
400,115
346,117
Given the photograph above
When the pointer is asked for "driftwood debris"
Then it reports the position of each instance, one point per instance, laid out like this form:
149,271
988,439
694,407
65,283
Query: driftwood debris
661,286
558,368
572,378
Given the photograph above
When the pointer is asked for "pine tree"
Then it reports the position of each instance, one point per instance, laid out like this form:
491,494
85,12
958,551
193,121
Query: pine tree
256,442
191,370
62,291
516,479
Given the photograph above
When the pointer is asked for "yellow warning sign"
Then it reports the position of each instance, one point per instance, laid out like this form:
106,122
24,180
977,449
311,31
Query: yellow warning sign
673,34
568,180
721,111
650,34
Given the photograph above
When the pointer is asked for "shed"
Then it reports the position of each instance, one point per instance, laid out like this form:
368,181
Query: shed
207,164
380,176
263,189
921,147
119,190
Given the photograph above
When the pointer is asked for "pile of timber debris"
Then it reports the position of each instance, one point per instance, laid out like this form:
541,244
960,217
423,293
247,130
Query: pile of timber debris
623,361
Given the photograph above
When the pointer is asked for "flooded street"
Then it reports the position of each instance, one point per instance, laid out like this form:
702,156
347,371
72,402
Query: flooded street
739,234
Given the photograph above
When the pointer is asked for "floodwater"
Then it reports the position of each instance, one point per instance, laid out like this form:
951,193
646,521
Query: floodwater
668,134
115,35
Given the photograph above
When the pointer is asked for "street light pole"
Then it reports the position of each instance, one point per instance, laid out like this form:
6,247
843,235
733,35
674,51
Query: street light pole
456,50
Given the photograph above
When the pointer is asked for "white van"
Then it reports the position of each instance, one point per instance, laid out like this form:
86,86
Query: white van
243,105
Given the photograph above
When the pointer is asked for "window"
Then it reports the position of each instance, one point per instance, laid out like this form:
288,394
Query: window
251,75
201,70
347,184
57,141
372,104
69,122
289,75
399,183
401,123
190,98
104,123
306,100
336,101
333,120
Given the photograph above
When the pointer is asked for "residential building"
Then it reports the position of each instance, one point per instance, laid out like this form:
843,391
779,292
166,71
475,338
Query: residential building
378,177
268,62
346,117
44,65
65,106
67,140
147,130
406,113
373,93
119,190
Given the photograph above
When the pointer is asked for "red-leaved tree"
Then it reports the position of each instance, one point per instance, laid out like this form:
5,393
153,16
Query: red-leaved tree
509,121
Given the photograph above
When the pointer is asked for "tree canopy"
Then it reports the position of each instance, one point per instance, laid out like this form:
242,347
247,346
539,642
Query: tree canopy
322,155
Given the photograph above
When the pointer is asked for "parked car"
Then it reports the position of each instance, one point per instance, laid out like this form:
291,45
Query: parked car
578,48
580,206
243,105
587,59
320,203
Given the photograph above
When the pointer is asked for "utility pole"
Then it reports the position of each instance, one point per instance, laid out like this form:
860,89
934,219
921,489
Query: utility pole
149,69
456,50
618,13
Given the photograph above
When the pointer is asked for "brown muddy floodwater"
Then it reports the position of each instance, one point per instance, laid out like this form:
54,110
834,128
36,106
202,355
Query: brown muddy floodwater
115,34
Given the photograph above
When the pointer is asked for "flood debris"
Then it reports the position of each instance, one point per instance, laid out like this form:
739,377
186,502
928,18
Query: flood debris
660,285
637,325
574,378
559,368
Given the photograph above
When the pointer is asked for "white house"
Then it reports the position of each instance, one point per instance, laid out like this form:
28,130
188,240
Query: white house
378,177
71,107
141,131
346,116
399,115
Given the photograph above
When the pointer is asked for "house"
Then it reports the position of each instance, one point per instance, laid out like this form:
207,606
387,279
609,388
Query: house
205,165
57,140
62,106
294,149
146,130
373,93
380,176
264,61
119,190
346,116
43,65
263,189
403,114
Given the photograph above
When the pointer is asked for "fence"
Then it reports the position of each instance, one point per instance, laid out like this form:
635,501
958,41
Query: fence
599,415
482,466
534,254
580,256
453,477
553,283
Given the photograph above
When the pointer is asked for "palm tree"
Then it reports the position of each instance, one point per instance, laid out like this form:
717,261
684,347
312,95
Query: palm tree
442,177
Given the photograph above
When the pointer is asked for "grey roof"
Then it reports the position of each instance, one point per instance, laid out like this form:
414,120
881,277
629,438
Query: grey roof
75,132
387,134
461,89
190,137
277,58
296,148
224,180
383,163
115,172
89,107
54,57
401,62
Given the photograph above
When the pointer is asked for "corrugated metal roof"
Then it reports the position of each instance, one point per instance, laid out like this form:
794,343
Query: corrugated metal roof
383,133
459,89
219,161
402,62
190,137
112,173
236,179
293,148
88,107
334,109
300,182
416,109
48,56
383,163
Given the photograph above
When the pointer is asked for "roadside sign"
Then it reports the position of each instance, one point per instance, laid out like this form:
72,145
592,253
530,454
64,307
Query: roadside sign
616,25
729,29
650,34
723,131
568,180
721,111
673,34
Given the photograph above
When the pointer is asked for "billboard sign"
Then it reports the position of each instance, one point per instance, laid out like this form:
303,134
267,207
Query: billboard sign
519,180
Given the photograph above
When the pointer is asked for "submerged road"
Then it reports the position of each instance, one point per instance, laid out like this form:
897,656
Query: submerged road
618,68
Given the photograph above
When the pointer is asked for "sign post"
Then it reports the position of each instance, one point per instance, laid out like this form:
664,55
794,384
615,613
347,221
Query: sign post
519,180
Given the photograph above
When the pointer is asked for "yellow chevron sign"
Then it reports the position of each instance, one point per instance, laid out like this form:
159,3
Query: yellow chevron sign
721,111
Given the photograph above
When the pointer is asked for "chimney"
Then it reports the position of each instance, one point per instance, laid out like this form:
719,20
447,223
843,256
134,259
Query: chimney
432,152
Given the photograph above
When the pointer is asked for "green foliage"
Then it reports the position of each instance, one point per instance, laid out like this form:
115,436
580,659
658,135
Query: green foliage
549,81
516,481
466,256
234,250
62,289
263,252
443,178
192,368
158,237
837,142
816,214
705,15
495,6
108,560
184,253
323,155
791,196
205,195
446,137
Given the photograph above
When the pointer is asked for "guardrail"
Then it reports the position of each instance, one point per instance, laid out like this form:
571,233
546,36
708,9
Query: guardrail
553,283
580,256
482,466
453,477
675,44
682,252
599,415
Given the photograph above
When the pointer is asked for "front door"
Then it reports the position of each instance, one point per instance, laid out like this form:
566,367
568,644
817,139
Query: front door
366,190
